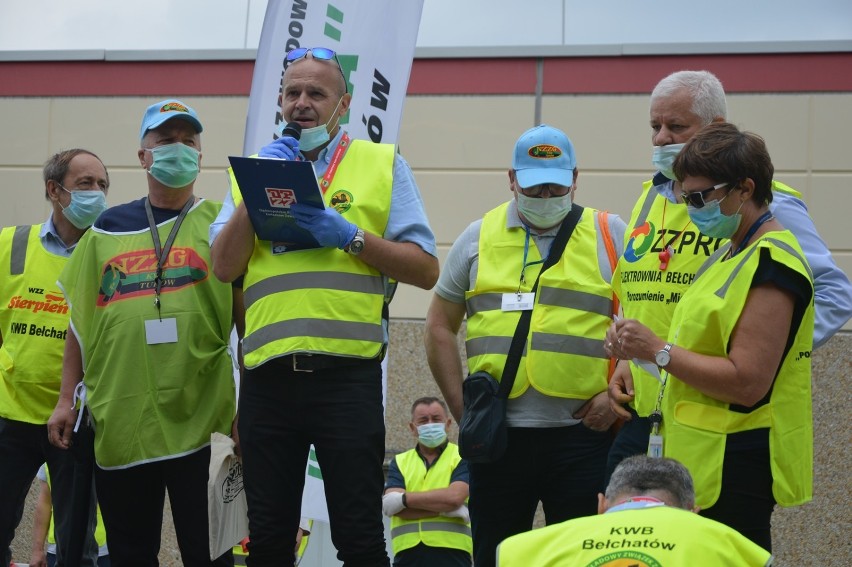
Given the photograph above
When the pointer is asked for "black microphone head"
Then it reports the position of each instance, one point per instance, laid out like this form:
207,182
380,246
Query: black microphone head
292,129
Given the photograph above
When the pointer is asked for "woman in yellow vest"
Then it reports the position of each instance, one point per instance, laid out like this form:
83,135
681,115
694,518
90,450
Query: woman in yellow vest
734,403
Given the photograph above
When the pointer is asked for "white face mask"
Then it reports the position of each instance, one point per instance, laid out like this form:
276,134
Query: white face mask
544,213
432,434
664,157
312,138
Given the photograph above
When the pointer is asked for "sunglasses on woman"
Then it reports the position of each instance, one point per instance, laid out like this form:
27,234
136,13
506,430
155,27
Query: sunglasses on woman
696,198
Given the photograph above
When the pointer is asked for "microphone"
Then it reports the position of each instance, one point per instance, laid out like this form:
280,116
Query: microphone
292,129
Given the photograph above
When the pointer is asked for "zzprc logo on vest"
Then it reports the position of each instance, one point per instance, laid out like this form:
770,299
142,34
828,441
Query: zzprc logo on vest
646,238
133,274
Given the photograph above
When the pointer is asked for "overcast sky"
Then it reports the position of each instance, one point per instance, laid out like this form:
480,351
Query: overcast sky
235,24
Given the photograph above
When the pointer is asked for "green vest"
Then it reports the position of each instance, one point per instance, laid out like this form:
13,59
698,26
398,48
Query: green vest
324,300
435,531
648,293
564,354
695,426
33,323
160,401
648,537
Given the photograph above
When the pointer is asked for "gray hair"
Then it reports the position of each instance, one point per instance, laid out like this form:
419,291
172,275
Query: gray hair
428,401
708,96
640,475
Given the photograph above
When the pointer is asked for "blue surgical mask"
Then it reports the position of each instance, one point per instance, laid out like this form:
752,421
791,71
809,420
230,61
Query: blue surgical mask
664,157
175,165
711,221
544,213
85,207
432,434
312,138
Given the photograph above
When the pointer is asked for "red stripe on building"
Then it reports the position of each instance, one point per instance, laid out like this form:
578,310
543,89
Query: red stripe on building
777,73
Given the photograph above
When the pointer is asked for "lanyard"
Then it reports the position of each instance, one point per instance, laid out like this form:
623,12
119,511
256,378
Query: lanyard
336,158
162,252
765,217
526,253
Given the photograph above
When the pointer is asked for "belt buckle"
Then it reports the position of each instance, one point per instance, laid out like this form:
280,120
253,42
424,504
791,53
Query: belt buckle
296,366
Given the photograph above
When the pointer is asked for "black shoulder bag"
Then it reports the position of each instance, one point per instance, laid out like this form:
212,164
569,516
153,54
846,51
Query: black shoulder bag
482,431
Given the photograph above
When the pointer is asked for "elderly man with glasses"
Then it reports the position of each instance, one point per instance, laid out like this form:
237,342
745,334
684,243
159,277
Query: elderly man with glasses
317,320
557,412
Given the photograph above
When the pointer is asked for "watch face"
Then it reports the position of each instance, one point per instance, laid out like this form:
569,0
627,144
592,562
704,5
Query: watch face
663,357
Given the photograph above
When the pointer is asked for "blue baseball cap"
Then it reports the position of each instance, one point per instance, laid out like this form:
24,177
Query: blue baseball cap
544,155
157,114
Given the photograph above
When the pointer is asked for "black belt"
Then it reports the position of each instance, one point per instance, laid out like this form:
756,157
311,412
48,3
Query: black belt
305,362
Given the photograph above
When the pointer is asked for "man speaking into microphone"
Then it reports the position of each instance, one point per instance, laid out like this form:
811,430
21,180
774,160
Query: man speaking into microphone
317,320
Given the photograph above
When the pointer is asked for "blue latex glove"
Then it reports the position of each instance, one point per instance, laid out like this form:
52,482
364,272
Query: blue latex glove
326,225
282,148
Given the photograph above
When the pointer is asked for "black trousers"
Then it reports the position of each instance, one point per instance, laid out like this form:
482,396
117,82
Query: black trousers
339,411
562,467
132,501
23,449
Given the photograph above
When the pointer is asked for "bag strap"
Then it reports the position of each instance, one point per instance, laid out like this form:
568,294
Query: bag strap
513,360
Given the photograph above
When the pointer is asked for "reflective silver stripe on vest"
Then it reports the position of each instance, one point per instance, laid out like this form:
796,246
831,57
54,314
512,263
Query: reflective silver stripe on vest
574,299
330,329
646,206
566,344
20,240
489,345
780,244
484,302
431,526
314,280
714,257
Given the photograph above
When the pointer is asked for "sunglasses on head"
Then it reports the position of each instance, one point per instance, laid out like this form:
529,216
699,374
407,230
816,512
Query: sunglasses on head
321,53
696,198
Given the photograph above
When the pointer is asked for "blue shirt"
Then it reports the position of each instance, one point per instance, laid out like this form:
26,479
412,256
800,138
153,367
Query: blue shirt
51,240
407,220
832,290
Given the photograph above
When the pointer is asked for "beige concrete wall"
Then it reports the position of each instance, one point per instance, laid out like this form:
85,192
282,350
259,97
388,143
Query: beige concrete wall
459,147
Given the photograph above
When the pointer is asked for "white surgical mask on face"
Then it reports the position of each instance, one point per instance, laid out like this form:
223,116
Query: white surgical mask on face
664,157
431,434
312,138
544,213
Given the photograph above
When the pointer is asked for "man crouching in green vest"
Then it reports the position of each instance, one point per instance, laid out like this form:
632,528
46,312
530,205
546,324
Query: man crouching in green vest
426,494
646,518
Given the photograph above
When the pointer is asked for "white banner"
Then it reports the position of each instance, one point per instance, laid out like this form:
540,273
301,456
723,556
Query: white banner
374,41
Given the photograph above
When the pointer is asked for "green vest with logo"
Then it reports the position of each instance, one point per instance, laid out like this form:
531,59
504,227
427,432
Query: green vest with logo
564,354
648,537
695,426
151,402
323,300
33,323
434,531
648,293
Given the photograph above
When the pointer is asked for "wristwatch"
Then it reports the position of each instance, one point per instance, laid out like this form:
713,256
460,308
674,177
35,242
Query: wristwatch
663,357
357,243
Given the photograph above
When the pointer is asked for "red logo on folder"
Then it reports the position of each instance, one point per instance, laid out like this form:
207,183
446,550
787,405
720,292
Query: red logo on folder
280,198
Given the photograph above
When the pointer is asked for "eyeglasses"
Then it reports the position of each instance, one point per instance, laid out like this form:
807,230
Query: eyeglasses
321,53
696,198
553,190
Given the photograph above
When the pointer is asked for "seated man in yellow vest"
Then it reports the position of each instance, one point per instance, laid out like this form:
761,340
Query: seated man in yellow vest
646,517
426,493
